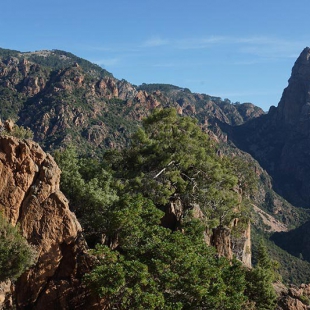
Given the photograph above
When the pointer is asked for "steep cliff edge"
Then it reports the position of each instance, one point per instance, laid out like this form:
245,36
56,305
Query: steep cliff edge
279,141
30,197
294,106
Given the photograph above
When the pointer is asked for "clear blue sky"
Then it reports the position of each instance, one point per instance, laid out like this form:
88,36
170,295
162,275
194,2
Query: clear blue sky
241,50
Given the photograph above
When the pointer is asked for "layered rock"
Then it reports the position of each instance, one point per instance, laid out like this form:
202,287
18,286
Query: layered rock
30,197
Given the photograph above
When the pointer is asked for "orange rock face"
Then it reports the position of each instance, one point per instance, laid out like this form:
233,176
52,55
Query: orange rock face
30,197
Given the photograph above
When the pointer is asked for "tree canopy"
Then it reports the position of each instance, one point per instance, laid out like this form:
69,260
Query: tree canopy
123,197
172,159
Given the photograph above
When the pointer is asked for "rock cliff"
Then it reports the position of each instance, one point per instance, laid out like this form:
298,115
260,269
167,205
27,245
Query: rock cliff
279,141
294,106
30,197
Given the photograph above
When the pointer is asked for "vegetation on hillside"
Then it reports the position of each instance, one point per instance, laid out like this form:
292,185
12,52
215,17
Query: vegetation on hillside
58,59
161,87
260,289
4,52
16,131
11,103
292,269
122,199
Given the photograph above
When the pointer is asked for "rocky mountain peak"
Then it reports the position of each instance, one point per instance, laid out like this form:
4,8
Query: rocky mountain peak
294,106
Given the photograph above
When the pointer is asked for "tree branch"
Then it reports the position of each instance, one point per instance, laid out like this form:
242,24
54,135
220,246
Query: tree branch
162,170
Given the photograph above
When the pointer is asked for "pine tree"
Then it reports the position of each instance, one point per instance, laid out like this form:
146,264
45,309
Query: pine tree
172,159
259,281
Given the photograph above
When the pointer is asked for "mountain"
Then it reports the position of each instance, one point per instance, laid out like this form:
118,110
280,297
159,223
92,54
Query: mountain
67,100
30,198
64,99
280,140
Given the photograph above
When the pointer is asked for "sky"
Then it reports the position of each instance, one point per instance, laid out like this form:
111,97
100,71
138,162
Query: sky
240,50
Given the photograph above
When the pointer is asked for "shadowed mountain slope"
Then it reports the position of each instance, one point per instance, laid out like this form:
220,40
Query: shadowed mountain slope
280,140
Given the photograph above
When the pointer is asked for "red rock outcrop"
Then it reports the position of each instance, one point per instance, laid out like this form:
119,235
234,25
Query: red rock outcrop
30,197
221,240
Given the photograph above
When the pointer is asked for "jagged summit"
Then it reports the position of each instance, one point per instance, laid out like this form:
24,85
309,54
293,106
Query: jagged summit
294,105
280,140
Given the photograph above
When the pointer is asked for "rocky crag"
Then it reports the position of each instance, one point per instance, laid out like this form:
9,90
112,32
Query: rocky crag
280,140
292,297
30,197
222,237
65,99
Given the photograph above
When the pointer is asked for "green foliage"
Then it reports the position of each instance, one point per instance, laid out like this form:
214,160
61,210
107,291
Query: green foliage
144,265
125,284
291,216
88,66
171,159
161,87
58,59
259,281
16,255
260,290
5,53
292,269
88,187
158,269
263,259
247,179
18,132
21,132
11,103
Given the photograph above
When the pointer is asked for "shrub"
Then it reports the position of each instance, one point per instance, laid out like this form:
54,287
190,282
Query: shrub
16,255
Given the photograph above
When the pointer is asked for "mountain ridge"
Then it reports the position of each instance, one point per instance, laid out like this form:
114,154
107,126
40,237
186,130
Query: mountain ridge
62,103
